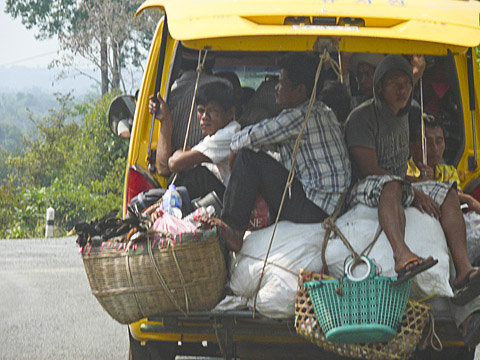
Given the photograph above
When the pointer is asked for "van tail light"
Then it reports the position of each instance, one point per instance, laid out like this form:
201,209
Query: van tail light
473,188
136,183
476,193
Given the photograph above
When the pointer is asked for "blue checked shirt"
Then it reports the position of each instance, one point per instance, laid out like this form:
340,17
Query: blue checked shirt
322,164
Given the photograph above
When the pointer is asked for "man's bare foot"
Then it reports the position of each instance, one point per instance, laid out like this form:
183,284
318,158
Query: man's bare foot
233,238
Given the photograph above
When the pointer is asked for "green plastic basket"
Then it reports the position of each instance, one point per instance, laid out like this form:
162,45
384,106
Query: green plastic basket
369,310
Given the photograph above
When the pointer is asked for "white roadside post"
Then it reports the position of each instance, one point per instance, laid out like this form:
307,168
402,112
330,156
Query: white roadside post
50,222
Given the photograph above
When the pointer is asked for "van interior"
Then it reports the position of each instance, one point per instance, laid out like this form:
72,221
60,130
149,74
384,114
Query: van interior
440,87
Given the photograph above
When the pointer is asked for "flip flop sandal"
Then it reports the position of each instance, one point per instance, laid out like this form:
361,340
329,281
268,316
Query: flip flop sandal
468,290
404,275
471,335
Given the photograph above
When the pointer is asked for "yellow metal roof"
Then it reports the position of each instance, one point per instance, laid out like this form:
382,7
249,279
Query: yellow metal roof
409,24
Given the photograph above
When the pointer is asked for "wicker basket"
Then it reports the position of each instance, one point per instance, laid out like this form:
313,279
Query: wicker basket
156,274
401,347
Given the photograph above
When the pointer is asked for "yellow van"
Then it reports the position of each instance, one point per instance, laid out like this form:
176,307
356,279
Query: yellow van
247,37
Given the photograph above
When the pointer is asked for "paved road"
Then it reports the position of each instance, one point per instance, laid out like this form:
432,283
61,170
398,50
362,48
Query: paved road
46,308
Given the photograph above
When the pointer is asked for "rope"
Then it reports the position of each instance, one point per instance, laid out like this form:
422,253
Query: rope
221,342
162,280
340,66
329,226
271,263
432,338
424,139
130,279
188,299
200,66
291,174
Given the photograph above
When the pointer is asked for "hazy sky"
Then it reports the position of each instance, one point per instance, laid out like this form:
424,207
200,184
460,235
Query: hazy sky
20,49
19,46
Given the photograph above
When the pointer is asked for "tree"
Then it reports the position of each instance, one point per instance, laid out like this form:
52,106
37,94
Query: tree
78,170
101,31
47,148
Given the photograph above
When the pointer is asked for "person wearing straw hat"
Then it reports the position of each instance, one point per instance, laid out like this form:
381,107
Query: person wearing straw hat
322,168
377,136
363,66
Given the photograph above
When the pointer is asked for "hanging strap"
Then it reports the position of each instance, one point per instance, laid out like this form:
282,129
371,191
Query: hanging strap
424,139
200,65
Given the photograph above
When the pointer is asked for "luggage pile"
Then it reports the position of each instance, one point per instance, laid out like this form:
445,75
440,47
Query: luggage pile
146,272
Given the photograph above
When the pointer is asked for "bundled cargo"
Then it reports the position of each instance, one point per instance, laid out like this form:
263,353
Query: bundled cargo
150,272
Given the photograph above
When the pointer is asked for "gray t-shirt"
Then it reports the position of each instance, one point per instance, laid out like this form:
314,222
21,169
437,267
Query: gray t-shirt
377,128
373,124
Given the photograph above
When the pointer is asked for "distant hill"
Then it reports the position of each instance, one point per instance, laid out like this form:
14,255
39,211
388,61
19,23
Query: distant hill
15,107
19,78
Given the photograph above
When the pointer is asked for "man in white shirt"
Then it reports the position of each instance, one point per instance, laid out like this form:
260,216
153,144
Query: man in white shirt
181,96
204,168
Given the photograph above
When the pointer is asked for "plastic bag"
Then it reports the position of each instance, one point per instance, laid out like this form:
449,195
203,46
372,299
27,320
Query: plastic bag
170,224
260,216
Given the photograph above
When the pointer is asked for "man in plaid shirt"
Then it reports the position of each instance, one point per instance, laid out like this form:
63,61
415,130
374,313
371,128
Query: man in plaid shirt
322,168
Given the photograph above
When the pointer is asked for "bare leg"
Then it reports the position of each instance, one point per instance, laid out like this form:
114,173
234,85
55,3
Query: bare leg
454,228
233,238
391,216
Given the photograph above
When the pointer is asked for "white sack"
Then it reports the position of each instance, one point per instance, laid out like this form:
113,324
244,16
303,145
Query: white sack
472,222
423,235
297,246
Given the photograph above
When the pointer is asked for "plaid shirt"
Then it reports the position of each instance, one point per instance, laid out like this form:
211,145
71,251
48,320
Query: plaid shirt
322,164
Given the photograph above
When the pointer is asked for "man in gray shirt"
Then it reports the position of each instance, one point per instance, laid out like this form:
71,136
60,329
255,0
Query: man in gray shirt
377,137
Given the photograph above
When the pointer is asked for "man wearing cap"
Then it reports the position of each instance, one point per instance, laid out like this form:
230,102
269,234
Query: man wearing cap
363,66
377,136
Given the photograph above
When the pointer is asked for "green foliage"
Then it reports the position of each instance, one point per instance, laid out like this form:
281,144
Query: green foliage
77,170
16,108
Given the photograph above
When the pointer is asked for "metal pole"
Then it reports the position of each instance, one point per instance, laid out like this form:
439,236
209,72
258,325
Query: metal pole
50,222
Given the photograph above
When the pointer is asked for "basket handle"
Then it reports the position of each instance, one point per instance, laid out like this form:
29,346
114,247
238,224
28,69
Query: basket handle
354,262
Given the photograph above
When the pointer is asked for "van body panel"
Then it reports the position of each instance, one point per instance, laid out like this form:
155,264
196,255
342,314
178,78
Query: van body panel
437,22
430,27
471,174
138,155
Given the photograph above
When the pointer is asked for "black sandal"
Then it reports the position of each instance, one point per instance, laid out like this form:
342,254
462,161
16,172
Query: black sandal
469,288
404,275
471,332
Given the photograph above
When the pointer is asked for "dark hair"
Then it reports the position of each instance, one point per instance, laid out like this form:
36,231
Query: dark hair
216,91
230,76
415,125
336,96
300,68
